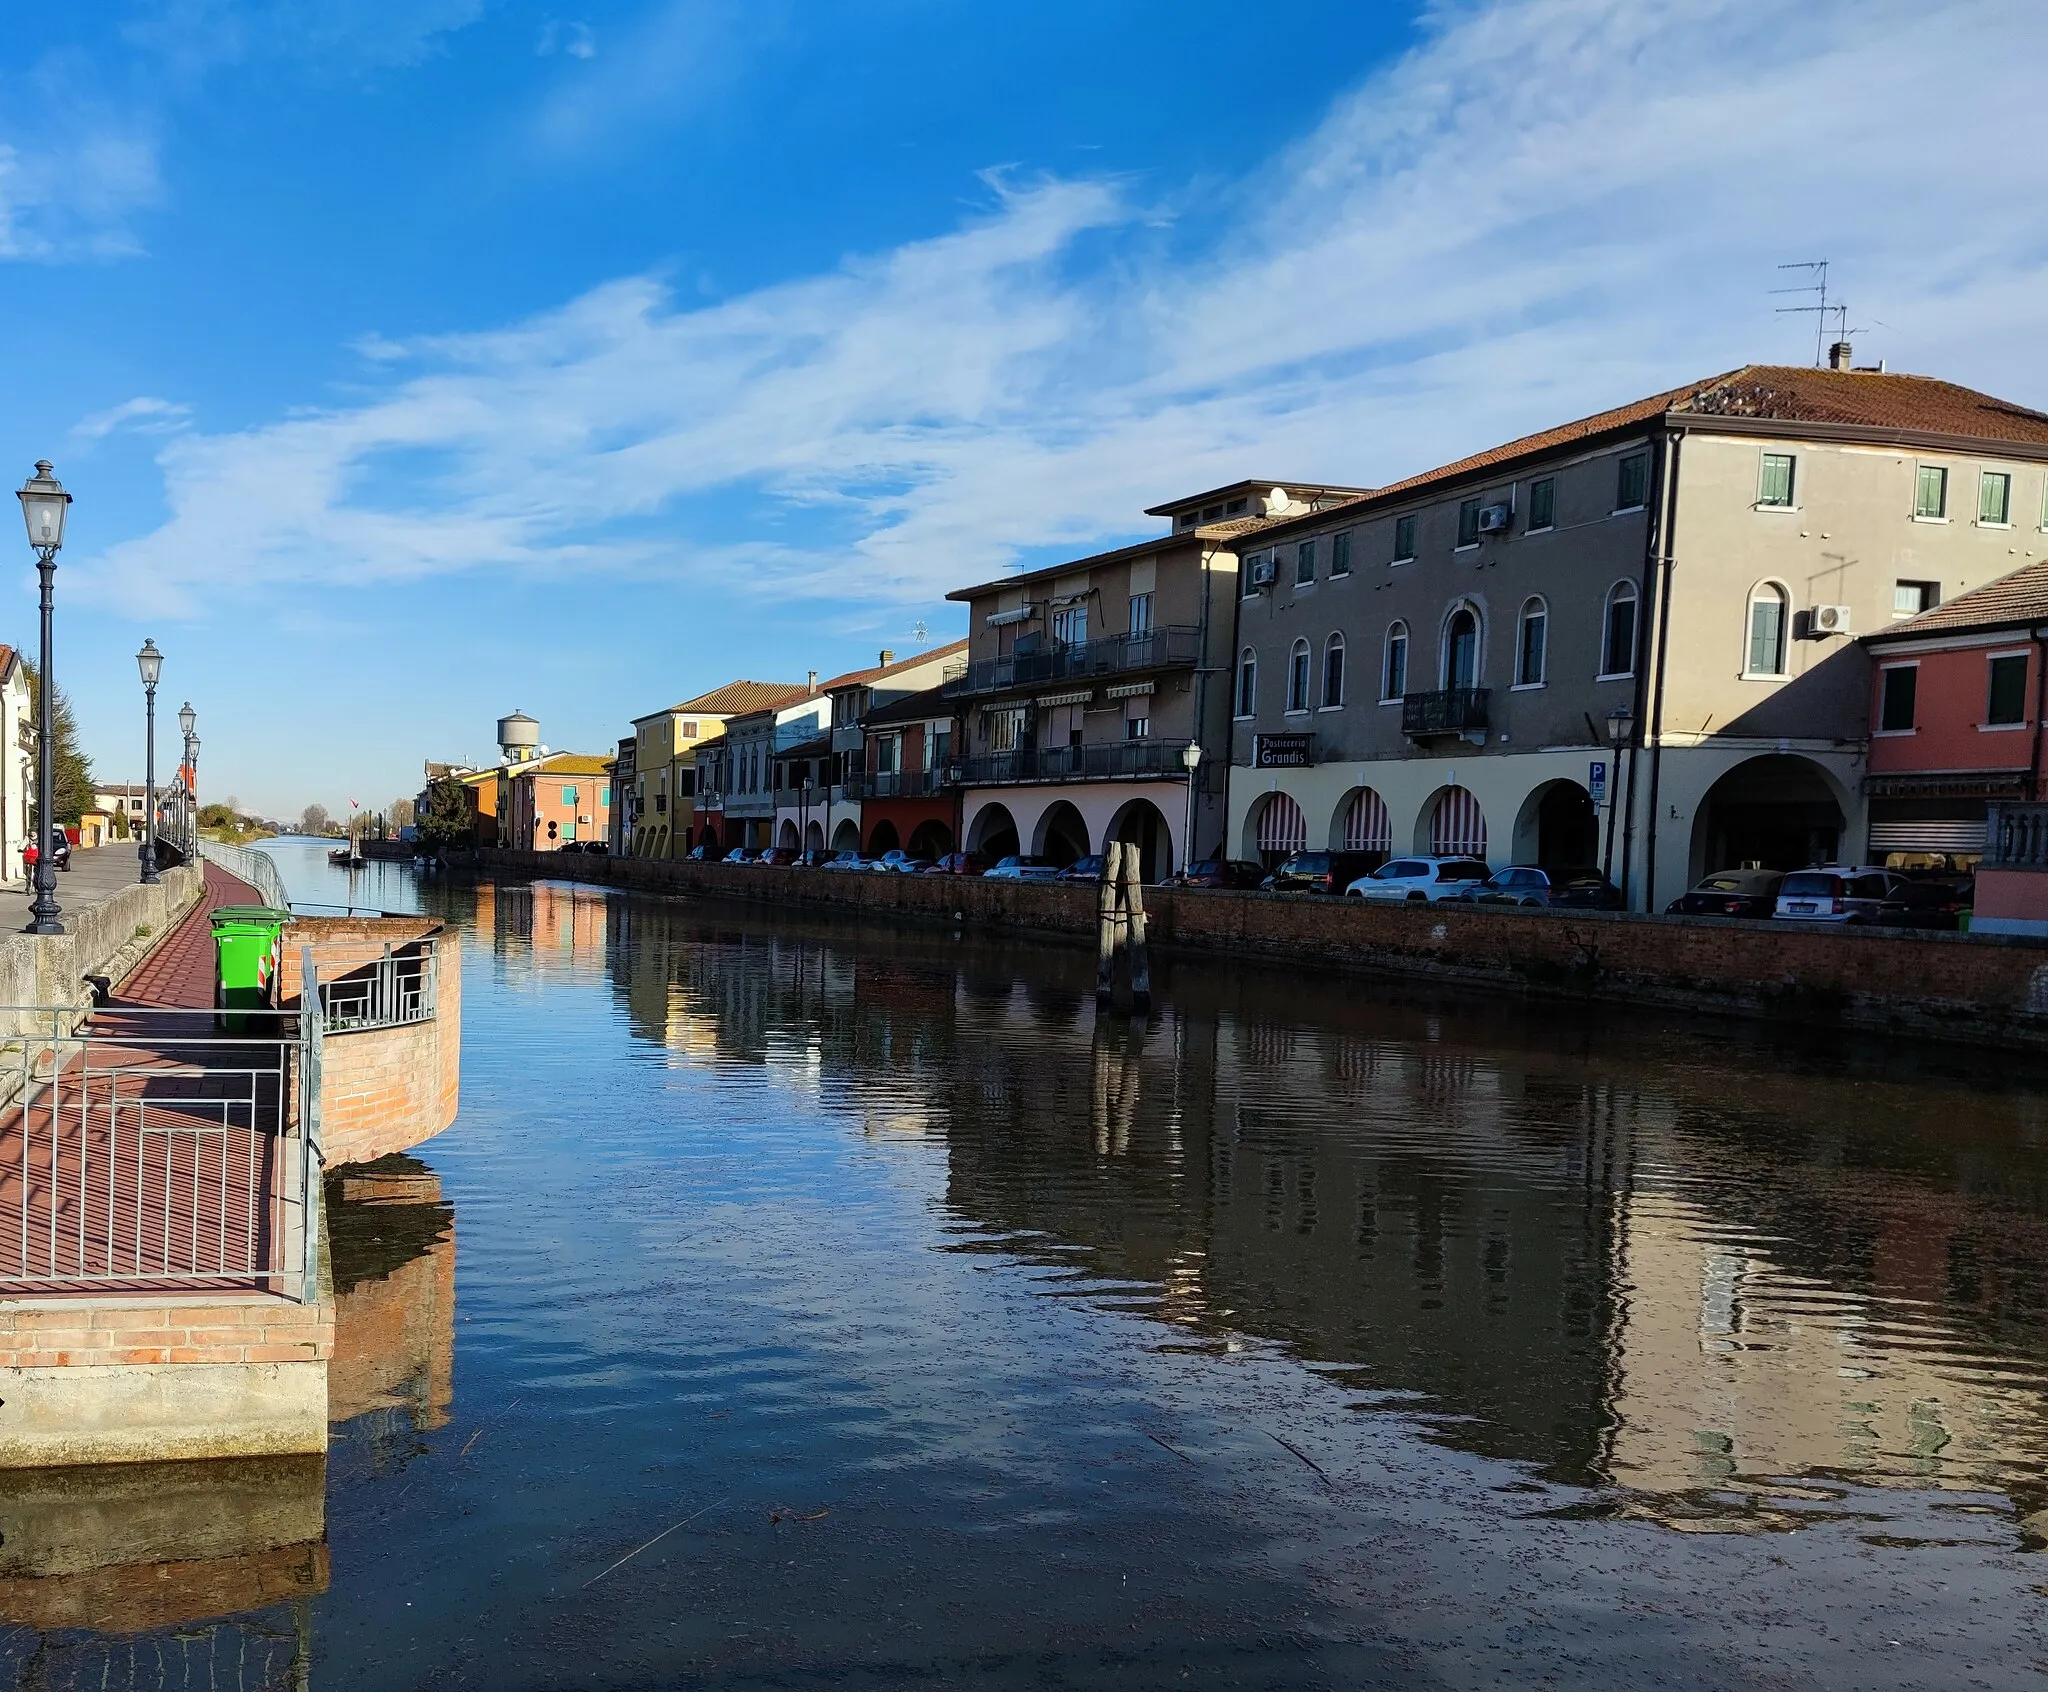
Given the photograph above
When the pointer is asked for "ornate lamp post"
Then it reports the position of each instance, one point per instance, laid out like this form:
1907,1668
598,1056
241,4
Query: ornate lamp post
1621,728
44,504
188,719
1191,761
192,764
151,663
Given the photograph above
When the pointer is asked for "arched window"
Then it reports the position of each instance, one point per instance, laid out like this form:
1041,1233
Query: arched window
1618,637
1532,645
1461,648
1770,614
1394,672
1333,672
1247,682
1297,677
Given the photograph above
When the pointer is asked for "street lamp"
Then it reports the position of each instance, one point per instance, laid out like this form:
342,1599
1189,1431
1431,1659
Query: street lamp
1621,728
1191,761
188,719
151,663
192,775
44,504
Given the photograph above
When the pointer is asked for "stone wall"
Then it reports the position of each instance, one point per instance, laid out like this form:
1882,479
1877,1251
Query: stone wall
1976,988
106,938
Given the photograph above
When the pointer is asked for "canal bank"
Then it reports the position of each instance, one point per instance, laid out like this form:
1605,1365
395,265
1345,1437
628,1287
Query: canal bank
1975,989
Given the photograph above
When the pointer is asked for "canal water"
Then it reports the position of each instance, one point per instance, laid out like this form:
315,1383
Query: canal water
800,1302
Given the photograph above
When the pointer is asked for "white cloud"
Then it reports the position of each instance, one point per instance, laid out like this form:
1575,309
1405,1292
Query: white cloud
75,168
666,67
574,39
349,35
143,415
1547,207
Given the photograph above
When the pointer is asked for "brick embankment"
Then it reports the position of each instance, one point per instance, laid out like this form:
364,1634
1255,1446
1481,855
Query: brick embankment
1980,989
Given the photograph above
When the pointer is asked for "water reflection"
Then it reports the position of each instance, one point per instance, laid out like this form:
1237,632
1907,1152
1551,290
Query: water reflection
1688,1272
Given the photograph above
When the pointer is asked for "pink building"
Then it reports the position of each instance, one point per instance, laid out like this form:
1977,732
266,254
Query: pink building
564,797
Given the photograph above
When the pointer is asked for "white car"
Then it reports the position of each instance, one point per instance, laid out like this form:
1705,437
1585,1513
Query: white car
1024,868
1836,893
1414,880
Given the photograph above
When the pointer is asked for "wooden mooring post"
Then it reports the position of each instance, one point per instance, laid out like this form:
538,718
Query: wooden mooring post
1120,927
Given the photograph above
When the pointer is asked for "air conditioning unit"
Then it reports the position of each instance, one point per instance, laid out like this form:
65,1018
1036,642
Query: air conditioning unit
1495,519
1262,572
1830,620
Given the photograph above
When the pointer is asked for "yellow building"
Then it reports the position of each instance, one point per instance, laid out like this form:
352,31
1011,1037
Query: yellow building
662,820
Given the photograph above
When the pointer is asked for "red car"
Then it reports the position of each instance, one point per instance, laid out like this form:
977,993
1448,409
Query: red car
1220,872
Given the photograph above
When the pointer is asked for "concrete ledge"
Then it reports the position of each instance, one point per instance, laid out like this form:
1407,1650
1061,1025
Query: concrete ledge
146,1412
1970,988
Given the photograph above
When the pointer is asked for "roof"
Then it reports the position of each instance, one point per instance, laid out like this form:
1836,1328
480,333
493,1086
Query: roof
736,698
2018,598
808,748
1884,402
882,672
911,708
1138,549
568,764
1250,488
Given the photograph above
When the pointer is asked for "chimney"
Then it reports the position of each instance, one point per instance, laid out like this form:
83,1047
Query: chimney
1839,355
813,681
888,657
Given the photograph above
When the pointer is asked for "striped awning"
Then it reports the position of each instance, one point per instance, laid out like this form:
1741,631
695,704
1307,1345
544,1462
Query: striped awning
1080,696
1128,690
1457,828
1367,827
1282,827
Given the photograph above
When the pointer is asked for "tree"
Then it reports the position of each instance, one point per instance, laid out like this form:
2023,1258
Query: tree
72,772
401,813
314,820
449,821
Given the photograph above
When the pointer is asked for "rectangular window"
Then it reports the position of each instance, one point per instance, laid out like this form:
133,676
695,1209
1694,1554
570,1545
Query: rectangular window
569,796
1632,482
1340,554
1141,613
690,729
1994,498
1396,682
1909,599
1901,694
1404,538
1004,726
1297,679
1137,728
1774,485
1333,675
1543,503
1305,562
1529,661
1468,523
1249,583
1070,627
1930,492
1618,651
2008,691
1767,633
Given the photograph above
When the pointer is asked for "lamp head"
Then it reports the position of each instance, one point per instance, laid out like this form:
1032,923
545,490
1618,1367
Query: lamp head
1621,726
187,718
1190,757
150,662
43,504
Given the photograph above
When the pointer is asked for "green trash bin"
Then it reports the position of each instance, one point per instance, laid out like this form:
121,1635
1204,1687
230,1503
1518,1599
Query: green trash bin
248,950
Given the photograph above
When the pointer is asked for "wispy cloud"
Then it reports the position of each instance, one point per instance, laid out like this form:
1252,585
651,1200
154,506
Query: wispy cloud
1548,206
143,415
576,40
75,167
664,68
190,36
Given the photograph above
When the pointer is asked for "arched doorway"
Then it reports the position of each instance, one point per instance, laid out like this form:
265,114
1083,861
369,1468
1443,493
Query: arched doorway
846,837
993,833
1558,828
1779,811
930,840
883,838
1062,834
1277,829
1457,825
1362,825
786,836
1139,824
814,836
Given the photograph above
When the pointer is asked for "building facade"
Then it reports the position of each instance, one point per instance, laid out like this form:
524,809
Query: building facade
666,775
736,773
551,801
1096,699
1626,641
910,792
17,763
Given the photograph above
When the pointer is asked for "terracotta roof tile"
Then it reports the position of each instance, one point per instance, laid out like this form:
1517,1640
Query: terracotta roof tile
741,697
569,764
2021,597
881,672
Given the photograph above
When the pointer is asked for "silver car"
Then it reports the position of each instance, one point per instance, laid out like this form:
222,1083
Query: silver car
1414,880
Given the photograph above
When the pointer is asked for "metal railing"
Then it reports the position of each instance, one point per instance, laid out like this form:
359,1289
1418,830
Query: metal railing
1176,645
400,987
1448,710
2016,837
154,1151
1107,760
258,869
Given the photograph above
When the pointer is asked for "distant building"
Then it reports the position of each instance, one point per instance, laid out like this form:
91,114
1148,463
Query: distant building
666,743
555,799
17,762
125,802
736,774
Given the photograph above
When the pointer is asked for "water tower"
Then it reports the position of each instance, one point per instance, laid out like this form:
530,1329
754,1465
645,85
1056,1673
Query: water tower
518,737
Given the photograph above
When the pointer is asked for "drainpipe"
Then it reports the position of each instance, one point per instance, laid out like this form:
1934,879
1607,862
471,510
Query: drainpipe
1662,537
2040,706
1199,734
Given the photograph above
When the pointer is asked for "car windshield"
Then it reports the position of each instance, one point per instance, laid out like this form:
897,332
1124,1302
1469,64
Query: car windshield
1811,884
1307,863
1461,872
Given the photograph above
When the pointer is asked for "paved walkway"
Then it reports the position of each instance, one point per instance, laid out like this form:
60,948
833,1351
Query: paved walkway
179,973
91,877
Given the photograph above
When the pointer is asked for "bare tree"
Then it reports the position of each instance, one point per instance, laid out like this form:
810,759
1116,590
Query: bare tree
314,820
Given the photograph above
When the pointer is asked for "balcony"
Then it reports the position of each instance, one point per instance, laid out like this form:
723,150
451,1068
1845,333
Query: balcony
1449,710
2017,837
1110,760
1178,646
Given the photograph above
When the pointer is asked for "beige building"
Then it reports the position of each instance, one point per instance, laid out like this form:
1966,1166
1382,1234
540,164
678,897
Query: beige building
664,758
1440,665
1096,695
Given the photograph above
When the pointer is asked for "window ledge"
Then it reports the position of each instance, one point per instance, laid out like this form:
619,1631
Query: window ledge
1321,708
1528,687
1618,675
1789,510
1893,734
1467,546
1547,529
1982,523
2002,728
1766,675
1920,519
1410,559
1396,700
1627,510
1339,575
1296,711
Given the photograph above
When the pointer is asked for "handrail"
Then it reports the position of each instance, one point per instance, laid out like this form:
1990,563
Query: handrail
258,869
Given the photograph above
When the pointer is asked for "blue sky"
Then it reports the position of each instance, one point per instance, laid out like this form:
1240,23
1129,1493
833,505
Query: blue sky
413,360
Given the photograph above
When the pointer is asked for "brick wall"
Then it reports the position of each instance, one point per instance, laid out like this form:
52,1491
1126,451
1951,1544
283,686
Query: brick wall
143,1329
1978,988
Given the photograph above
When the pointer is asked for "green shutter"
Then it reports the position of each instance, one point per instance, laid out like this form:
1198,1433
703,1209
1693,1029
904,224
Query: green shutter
1930,495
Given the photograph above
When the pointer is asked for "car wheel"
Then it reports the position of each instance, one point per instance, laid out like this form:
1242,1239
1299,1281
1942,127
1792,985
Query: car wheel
1418,898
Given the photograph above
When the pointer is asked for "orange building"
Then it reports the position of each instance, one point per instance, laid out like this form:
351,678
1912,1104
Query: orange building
564,797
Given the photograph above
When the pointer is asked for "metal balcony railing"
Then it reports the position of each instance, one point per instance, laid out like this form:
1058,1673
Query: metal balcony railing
1178,645
2017,837
1110,760
1449,710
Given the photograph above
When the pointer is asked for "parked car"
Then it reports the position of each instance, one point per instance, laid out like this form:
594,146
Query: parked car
570,846
597,848
1836,893
1084,869
60,853
1544,889
778,857
818,857
900,862
740,855
704,855
1318,872
1416,879
959,863
1024,867
847,859
1238,873
1736,893
1928,902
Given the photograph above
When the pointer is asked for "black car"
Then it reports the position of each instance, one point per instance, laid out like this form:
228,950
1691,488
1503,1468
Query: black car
1938,902
1084,869
1321,872
1238,873
1733,893
1544,889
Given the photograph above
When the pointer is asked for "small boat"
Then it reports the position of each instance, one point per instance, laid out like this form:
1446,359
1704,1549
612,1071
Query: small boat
345,857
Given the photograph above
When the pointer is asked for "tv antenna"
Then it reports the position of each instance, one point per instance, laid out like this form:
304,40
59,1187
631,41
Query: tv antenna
1823,308
919,633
